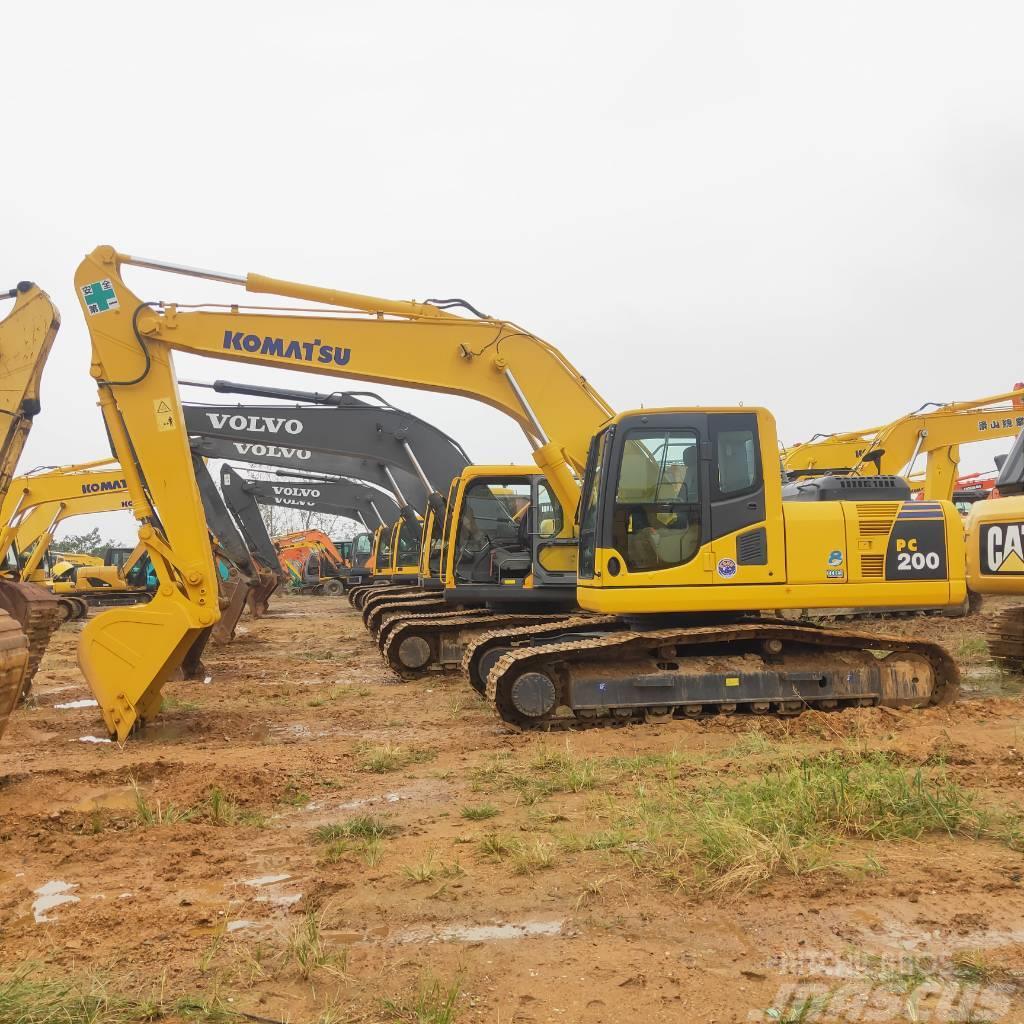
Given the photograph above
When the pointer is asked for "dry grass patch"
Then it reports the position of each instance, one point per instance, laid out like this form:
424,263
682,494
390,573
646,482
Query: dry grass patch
29,996
385,758
792,819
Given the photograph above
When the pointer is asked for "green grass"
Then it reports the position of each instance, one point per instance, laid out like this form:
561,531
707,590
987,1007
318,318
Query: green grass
293,796
793,819
431,868
148,815
29,997
803,1013
172,703
523,857
388,758
433,1003
222,810
363,835
481,812
972,649
363,826
306,950
547,773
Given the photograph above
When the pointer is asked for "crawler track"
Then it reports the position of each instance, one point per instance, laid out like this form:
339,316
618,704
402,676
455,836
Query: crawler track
413,644
38,613
14,659
1006,639
379,606
621,676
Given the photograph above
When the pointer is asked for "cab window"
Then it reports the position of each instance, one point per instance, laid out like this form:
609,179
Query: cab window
656,522
408,546
737,461
549,513
588,504
492,541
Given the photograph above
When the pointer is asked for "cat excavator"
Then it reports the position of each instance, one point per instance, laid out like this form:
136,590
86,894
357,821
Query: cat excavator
995,557
28,613
683,535
934,432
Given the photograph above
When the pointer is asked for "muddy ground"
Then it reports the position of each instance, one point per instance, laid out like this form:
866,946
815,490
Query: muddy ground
197,861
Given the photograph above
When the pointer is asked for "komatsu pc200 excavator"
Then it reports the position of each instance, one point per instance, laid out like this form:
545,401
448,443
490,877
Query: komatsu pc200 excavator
683,533
28,613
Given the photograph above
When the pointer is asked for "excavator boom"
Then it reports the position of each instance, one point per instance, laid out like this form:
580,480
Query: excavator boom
933,433
27,334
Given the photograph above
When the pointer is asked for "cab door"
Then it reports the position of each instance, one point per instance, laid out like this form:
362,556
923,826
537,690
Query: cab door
656,510
743,542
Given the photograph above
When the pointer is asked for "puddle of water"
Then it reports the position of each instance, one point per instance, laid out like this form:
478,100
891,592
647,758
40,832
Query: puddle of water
292,731
93,739
269,892
120,799
266,880
481,932
983,681
285,899
237,926
168,730
49,896
76,704
422,789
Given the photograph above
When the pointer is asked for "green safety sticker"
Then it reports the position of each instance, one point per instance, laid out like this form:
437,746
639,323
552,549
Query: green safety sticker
99,296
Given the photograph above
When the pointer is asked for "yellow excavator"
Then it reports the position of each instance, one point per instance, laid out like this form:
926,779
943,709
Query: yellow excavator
683,533
28,613
934,432
35,505
995,558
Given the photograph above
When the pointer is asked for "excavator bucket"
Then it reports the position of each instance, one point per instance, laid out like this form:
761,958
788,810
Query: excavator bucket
127,654
259,596
231,610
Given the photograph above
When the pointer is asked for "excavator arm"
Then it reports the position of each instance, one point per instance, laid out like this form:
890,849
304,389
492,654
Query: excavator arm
893,449
127,654
98,486
245,512
422,458
351,499
27,334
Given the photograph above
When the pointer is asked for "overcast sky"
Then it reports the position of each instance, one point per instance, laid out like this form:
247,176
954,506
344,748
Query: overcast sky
811,206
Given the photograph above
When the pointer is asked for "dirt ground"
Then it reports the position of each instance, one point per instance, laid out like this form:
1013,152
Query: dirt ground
190,859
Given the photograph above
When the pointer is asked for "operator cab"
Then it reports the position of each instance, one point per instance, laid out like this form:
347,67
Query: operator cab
659,486
506,531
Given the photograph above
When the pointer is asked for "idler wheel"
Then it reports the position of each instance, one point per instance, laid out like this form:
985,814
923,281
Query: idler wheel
533,694
414,652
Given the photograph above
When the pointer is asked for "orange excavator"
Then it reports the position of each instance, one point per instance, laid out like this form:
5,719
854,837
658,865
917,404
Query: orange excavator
313,562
